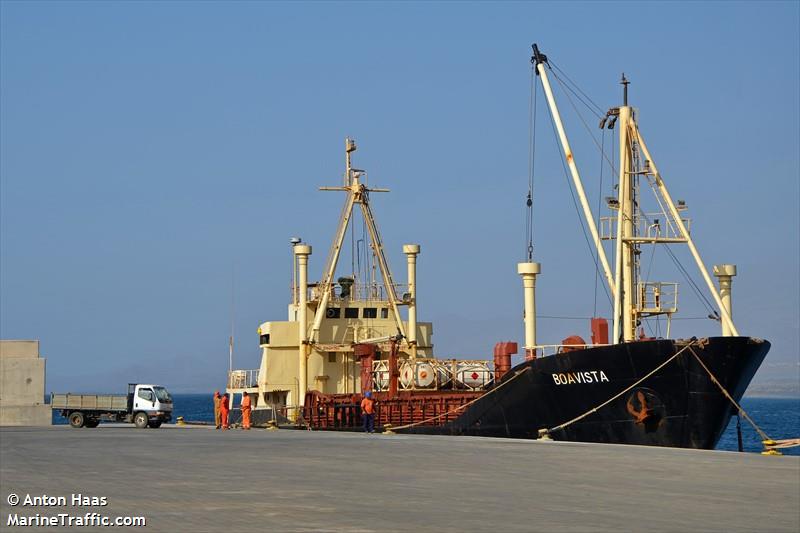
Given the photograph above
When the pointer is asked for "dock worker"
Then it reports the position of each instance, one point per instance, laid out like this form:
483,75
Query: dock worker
224,408
217,402
246,407
368,412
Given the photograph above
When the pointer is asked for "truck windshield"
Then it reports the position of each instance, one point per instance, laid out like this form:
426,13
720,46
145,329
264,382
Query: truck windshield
162,394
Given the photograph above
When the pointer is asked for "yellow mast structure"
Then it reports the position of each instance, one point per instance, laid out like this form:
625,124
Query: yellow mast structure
357,193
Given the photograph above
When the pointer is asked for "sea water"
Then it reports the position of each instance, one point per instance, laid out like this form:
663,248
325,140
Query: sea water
777,417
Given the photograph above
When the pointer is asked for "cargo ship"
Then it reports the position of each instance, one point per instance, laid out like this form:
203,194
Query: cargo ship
349,334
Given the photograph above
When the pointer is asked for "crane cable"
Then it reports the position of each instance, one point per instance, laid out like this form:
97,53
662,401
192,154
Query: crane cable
531,165
599,199
589,243
567,89
600,111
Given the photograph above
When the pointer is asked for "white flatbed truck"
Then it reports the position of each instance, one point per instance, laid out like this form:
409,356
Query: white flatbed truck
145,405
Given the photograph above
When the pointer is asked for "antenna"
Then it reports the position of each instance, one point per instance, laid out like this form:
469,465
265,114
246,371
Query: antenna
233,307
624,82
294,241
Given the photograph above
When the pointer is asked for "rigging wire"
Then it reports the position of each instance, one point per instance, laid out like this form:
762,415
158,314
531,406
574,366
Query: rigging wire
555,317
575,203
649,323
365,250
531,164
649,270
583,98
699,293
691,282
599,109
353,249
613,163
583,121
599,199
558,317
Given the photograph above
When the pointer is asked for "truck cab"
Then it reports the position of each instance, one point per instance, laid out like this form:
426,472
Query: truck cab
149,405
144,405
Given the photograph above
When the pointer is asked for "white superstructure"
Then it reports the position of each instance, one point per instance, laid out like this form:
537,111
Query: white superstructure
313,348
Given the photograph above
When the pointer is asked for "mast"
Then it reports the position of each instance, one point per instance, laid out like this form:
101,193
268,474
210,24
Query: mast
624,303
357,193
630,303
539,61
633,298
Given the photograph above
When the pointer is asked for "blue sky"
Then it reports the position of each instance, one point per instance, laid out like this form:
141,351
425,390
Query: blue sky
150,150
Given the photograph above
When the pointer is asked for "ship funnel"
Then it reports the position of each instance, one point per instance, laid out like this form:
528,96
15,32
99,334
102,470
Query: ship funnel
725,274
502,359
529,271
302,251
411,251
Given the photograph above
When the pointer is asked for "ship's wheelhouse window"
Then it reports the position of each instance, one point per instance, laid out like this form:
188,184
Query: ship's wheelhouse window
333,312
384,313
351,312
264,339
331,357
370,312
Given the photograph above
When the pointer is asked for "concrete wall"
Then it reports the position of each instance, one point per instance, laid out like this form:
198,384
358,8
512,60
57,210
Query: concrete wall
22,382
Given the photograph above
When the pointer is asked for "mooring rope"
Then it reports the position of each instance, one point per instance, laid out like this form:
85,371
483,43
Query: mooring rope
764,436
783,443
545,432
769,443
461,407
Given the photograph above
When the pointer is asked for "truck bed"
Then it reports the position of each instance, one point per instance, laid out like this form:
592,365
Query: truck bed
98,402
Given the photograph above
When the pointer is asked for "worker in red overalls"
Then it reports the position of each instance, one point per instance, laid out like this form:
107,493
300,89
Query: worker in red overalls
246,407
217,402
368,412
224,409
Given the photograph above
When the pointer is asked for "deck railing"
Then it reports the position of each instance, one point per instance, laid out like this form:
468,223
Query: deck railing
243,379
544,350
361,292
648,226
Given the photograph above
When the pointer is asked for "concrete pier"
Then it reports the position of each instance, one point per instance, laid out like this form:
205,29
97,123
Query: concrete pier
22,384
200,479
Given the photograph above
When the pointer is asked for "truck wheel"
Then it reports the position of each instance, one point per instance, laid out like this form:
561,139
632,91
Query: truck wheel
155,424
76,419
92,422
140,419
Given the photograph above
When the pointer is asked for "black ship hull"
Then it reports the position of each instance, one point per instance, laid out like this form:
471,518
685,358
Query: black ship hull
678,406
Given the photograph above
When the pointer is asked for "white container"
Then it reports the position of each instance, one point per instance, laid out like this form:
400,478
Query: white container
419,375
473,375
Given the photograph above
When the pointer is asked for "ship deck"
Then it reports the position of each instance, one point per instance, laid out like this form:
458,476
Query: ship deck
196,478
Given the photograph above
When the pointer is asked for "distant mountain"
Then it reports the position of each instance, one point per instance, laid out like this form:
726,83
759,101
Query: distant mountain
775,388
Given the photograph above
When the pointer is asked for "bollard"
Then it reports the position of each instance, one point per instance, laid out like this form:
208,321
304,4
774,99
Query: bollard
767,449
